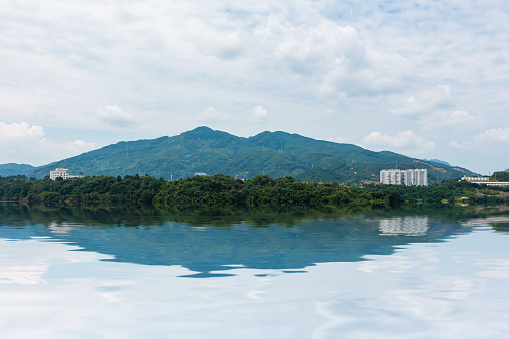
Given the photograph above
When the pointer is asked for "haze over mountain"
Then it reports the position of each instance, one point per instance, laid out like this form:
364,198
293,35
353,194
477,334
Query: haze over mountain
204,150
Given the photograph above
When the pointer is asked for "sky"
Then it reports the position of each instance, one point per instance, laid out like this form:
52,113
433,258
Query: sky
427,79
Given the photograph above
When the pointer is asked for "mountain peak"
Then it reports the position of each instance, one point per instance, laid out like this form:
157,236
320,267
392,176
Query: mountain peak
200,129
202,132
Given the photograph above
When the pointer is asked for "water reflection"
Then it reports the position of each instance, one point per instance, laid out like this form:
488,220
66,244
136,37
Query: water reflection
412,226
108,274
62,228
208,246
499,223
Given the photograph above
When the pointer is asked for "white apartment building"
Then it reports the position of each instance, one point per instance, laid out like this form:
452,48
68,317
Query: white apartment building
391,177
63,173
409,177
416,177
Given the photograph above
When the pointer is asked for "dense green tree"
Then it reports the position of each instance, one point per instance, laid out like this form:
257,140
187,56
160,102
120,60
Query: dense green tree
222,192
500,176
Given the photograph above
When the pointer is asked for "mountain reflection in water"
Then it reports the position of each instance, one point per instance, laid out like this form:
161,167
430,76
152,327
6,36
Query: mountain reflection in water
208,245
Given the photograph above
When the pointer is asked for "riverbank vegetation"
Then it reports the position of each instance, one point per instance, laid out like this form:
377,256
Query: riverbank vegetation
452,192
222,192
218,191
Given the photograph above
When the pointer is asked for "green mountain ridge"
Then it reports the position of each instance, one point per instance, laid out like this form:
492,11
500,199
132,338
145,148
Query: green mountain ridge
204,150
15,169
437,161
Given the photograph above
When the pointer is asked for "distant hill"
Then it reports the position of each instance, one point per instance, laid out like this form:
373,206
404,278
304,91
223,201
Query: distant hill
436,161
15,169
273,153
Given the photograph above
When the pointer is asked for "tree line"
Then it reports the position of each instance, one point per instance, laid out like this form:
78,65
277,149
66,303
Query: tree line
227,192
218,191
449,192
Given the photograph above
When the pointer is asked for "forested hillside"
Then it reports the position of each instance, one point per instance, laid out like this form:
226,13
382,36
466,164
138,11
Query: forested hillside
15,169
276,154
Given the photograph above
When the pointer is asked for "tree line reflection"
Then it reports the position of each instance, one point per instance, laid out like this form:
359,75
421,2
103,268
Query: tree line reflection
210,245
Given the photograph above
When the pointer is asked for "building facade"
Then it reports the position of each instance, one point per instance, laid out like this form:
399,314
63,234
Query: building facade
391,177
475,179
63,173
485,181
409,177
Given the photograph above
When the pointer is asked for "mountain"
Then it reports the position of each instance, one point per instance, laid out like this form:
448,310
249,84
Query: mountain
273,153
438,162
15,169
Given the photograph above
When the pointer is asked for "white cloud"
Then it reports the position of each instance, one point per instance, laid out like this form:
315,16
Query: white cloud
376,74
406,142
497,135
339,140
227,46
307,49
114,115
494,135
344,65
259,114
420,101
22,143
211,114
455,119
19,131
455,144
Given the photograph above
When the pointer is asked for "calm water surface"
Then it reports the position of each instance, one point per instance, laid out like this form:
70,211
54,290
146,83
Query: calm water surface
70,273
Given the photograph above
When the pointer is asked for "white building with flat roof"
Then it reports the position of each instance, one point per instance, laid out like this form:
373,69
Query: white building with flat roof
475,179
485,181
63,173
409,177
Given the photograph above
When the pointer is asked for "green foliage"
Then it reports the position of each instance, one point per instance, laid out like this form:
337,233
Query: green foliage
262,191
448,192
221,193
211,192
500,176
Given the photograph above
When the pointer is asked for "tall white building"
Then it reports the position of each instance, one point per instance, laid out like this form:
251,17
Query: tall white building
391,177
409,177
416,177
